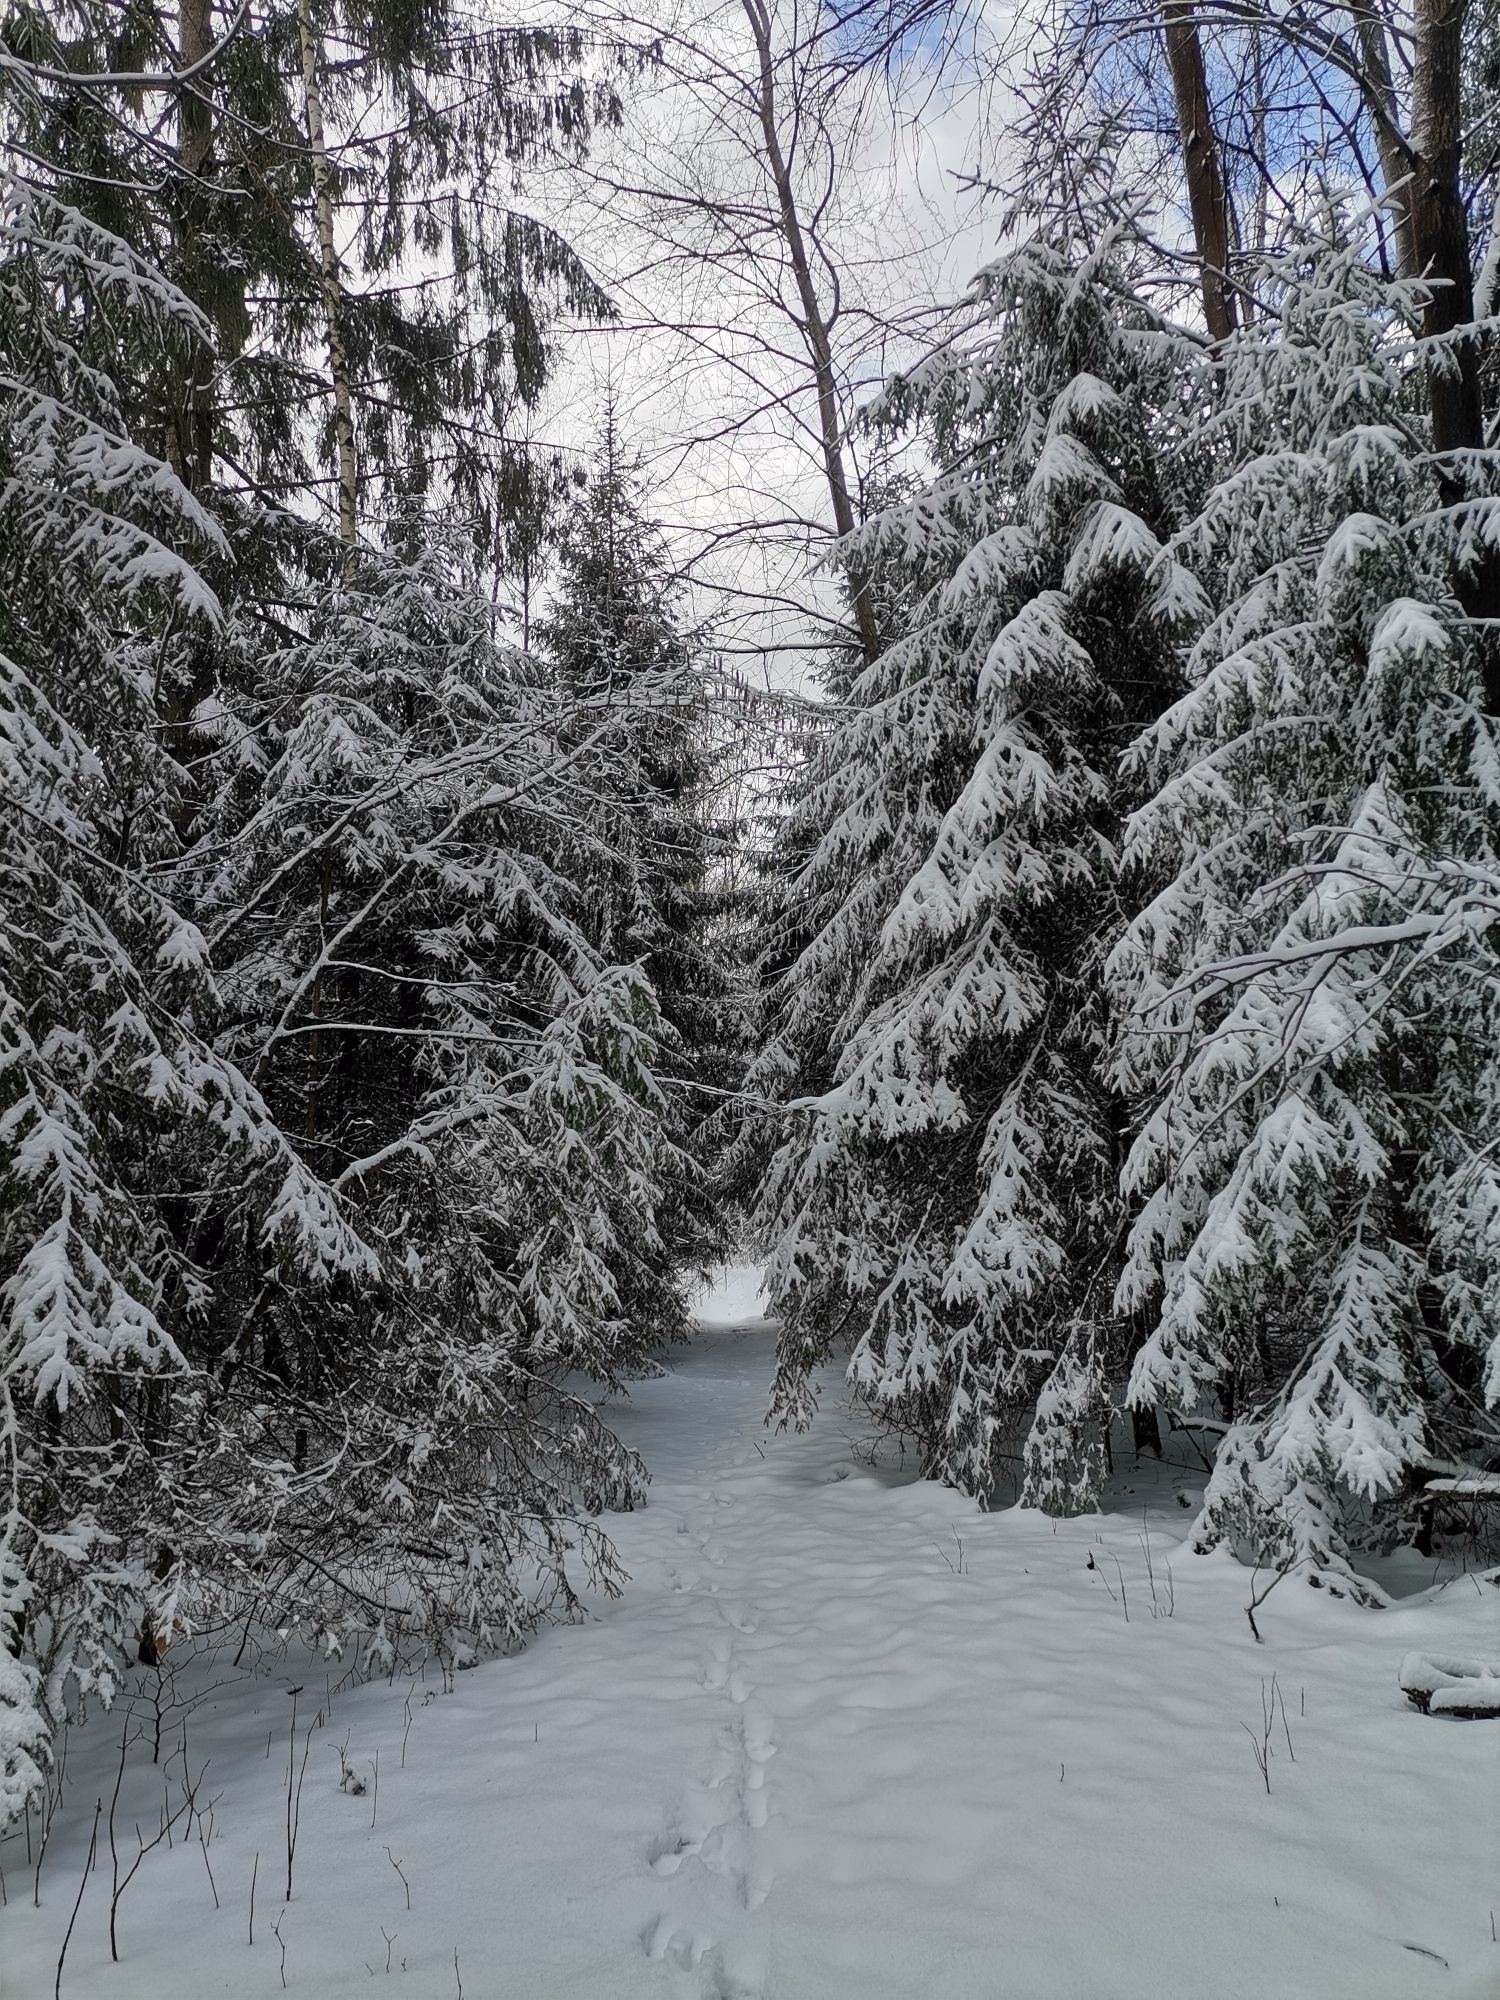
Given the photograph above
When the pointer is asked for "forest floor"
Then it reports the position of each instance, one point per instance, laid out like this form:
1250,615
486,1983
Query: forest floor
842,1738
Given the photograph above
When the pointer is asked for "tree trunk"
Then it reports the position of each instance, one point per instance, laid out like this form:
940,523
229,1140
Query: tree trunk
1145,1431
815,324
1208,198
195,117
1395,154
338,362
1440,229
1440,244
191,426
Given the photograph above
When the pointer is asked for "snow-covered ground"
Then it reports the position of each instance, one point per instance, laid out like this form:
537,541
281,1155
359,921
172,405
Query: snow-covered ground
842,1739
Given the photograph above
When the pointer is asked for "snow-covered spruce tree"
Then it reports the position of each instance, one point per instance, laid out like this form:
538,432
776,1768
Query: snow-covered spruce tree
391,871
293,1263
1309,1000
782,906
613,636
426,114
948,1204
118,1115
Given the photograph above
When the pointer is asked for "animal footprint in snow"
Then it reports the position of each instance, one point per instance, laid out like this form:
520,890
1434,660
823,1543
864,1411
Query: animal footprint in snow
667,1860
663,1940
695,1953
679,1846
759,1747
722,1982
716,1669
759,1750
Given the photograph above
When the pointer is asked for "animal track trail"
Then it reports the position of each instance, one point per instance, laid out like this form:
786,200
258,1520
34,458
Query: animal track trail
759,1750
714,1842
719,1815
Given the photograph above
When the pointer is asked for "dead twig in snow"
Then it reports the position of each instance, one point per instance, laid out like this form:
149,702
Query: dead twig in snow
83,1884
404,1883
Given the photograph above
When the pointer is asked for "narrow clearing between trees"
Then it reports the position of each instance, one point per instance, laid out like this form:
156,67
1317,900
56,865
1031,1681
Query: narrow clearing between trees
842,1738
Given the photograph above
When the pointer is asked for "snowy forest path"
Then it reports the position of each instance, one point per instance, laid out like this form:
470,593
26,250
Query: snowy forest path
842,1737
968,1755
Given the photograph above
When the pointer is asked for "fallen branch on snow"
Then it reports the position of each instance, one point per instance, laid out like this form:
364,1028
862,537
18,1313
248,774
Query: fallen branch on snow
1467,1689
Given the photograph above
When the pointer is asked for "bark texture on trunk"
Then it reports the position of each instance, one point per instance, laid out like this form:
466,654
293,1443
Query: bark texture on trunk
194,40
1208,198
191,422
1395,155
1440,228
1440,250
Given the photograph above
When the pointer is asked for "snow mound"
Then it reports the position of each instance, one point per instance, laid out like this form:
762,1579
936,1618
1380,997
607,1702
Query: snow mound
1469,1689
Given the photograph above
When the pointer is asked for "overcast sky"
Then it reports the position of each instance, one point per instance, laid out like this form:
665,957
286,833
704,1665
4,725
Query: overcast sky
705,370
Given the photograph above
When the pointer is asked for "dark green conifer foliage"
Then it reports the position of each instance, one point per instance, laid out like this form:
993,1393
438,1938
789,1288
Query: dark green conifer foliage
447,286
334,1150
615,633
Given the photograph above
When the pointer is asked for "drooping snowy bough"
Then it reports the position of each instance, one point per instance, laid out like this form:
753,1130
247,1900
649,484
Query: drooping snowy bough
1308,995
949,1204
330,1138
1271,1000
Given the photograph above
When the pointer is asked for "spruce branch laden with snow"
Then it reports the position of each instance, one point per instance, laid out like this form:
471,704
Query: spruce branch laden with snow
1307,997
332,1137
947,1201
